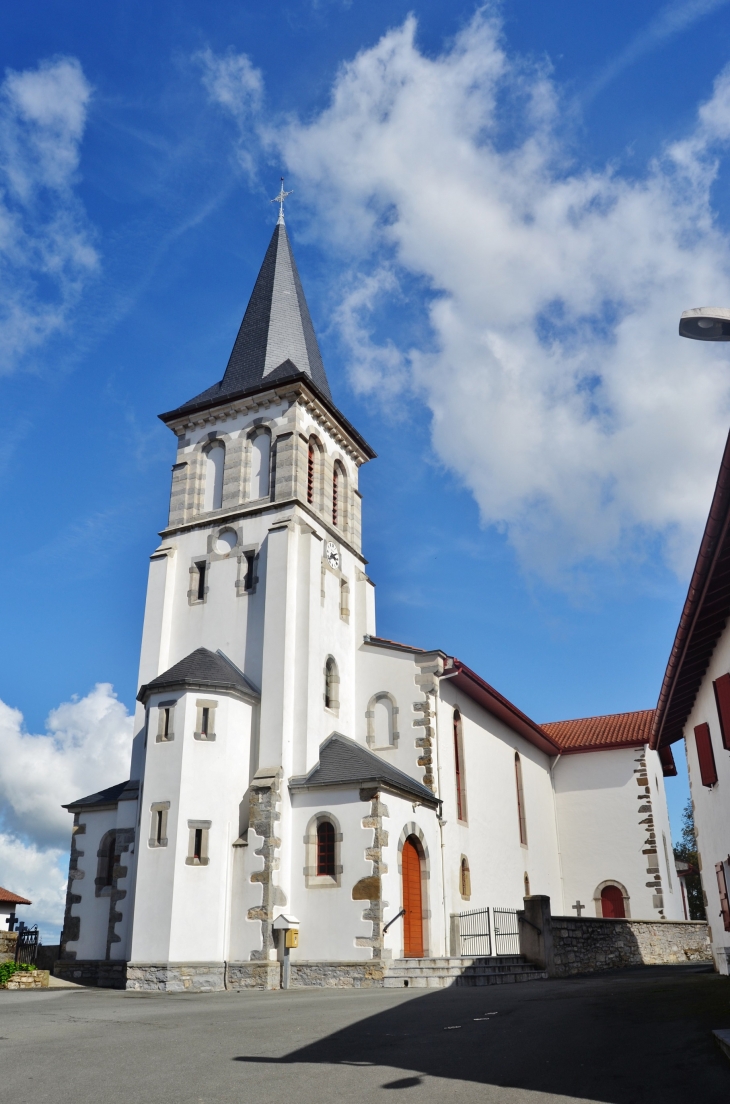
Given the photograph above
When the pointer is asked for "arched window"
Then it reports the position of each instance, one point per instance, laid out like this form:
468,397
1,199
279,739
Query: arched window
323,852
612,902
383,726
464,878
331,684
325,849
215,459
310,474
520,800
260,465
335,495
527,884
459,767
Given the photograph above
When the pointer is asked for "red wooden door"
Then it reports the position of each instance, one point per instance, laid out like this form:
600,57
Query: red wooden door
612,902
413,919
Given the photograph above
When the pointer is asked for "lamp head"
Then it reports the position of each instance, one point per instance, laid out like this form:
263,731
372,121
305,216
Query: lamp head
706,324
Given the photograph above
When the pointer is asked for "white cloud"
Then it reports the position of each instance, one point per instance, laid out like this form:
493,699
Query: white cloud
560,393
40,875
46,247
86,747
235,84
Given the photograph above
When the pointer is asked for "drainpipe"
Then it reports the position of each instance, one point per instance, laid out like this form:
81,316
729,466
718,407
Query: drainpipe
553,765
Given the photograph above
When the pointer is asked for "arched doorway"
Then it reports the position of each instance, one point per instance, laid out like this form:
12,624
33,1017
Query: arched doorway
612,902
412,900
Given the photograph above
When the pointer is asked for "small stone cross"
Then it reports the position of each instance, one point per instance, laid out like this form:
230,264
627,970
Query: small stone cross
578,907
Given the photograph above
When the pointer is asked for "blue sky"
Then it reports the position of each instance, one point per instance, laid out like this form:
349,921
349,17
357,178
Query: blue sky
498,214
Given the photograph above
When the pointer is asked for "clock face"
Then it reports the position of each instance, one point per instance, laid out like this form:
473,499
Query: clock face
332,554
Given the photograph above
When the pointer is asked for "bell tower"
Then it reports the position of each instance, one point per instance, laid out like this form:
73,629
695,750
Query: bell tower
257,602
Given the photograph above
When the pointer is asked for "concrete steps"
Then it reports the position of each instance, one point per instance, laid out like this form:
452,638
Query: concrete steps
439,973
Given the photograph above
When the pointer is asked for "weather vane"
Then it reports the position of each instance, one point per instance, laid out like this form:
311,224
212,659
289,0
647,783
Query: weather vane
280,200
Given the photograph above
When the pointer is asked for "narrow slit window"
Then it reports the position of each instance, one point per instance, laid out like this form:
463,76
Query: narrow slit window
520,800
325,849
310,474
205,720
111,862
465,878
201,569
459,768
331,684
248,577
158,825
198,845
166,723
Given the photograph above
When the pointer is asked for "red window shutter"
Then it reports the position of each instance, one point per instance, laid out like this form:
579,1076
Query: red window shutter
722,886
721,687
705,754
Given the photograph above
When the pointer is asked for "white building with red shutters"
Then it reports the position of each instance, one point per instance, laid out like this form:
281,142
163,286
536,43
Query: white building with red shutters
289,762
694,705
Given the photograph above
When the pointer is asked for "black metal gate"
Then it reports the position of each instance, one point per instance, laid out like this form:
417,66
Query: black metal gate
506,932
26,948
475,934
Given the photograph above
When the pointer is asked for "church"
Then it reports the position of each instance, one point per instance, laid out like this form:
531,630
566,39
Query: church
308,802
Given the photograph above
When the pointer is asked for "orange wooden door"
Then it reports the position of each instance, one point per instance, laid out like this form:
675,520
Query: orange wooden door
413,919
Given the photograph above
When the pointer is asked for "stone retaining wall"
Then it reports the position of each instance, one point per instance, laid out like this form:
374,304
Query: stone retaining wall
31,979
590,943
7,945
566,945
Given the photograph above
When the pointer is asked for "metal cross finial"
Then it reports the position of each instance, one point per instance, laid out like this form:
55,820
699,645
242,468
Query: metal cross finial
578,907
280,200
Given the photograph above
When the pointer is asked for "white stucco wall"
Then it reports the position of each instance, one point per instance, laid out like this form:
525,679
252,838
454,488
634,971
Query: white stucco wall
603,831
712,805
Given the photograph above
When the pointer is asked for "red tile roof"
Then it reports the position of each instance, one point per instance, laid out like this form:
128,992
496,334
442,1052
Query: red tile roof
596,733
8,898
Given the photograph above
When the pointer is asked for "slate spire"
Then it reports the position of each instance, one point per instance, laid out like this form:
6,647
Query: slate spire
276,338
277,326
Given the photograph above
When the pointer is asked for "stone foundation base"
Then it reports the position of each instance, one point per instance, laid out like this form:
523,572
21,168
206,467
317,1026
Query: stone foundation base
339,975
209,977
254,975
93,972
176,977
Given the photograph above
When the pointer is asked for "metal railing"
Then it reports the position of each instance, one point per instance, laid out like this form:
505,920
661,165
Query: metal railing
506,932
26,947
475,934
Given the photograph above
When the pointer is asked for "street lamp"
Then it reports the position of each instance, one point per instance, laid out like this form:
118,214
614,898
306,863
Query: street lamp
706,324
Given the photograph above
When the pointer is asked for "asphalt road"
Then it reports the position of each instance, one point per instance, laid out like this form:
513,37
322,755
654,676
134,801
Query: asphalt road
632,1036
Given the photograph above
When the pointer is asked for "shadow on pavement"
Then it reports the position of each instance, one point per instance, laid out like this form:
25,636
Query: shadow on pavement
629,1037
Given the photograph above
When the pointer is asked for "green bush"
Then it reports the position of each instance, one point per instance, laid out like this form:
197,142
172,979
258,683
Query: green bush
7,969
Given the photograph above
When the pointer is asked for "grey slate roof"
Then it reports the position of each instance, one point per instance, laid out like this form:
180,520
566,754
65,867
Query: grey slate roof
343,762
123,791
276,339
201,670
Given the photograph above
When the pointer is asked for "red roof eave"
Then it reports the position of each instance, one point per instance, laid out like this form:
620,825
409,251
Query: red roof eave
490,699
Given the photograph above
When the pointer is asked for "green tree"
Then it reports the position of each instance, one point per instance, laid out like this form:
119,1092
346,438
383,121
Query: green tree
686,851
